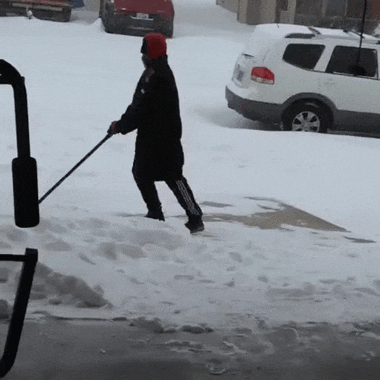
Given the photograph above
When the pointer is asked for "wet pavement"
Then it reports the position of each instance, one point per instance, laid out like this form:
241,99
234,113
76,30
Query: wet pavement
54,349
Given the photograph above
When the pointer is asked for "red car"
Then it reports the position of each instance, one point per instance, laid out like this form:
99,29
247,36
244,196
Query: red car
137,17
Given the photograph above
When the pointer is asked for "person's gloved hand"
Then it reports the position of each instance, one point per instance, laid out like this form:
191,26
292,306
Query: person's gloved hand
112,130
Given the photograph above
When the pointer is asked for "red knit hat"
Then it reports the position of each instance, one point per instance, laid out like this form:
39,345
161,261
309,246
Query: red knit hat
154,45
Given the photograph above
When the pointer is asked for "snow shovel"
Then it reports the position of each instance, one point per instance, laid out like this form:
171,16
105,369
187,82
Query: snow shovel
109,135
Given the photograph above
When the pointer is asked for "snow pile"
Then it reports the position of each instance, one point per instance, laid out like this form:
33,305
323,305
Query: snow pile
242,269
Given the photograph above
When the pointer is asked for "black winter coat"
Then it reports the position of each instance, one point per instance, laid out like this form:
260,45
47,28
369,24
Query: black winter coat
155,113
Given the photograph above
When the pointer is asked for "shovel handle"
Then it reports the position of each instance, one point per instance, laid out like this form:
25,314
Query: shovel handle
109,135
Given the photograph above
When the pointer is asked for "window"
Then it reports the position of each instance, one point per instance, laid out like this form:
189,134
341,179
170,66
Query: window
303,55
344,60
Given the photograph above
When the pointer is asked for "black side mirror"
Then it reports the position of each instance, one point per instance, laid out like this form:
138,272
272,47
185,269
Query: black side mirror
24,167
25,192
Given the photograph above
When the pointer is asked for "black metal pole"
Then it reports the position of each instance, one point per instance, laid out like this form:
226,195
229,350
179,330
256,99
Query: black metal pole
362,32
75,166
19,307
11,76
24,167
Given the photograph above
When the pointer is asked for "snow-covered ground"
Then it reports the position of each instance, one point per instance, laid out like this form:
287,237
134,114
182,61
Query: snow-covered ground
98,257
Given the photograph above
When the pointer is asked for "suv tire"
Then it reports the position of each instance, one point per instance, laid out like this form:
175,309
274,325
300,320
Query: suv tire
306,117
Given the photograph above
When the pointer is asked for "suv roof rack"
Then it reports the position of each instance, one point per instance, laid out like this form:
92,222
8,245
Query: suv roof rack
300,35
315,31
350,34
351,30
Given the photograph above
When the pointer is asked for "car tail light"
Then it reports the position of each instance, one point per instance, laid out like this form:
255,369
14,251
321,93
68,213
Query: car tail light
262,75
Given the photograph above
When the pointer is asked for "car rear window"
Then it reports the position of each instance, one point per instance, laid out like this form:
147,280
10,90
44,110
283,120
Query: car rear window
303,55
344,60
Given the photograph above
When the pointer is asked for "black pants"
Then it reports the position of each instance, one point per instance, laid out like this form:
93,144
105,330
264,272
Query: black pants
181,190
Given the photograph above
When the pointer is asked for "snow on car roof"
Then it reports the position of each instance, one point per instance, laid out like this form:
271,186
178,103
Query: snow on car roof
280,30
265,32
342,33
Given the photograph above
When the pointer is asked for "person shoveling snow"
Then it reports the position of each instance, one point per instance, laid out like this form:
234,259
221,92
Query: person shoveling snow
155,113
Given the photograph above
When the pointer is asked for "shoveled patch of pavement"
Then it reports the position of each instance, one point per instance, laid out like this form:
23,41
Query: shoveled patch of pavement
279,215
54,349
275,217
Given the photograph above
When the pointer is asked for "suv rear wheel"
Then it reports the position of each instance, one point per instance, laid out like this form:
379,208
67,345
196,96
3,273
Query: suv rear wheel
306,117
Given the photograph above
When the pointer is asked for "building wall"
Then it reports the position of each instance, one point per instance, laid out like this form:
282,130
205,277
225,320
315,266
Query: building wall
254,12
268,11
337,13
231,5
376,9
327,13
242,8
287,13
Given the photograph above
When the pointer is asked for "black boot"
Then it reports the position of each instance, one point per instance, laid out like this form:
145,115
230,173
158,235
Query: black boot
195,224
155,214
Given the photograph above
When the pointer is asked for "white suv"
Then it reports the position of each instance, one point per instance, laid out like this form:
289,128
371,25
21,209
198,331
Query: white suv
309,79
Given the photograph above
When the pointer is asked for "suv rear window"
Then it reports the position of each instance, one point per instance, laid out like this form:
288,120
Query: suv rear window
303,55
344,60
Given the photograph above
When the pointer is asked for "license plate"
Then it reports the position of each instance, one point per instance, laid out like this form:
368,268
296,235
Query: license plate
142,16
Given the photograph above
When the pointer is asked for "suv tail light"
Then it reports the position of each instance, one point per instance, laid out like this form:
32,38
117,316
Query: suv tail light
262,75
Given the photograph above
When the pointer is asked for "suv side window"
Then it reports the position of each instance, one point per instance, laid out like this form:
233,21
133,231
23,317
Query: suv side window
305,56
344,61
